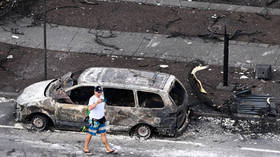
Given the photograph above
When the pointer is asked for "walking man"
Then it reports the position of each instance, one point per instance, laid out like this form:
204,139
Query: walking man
97,120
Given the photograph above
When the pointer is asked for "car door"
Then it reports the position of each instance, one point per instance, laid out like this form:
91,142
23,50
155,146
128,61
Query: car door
120,107
151,108
73,114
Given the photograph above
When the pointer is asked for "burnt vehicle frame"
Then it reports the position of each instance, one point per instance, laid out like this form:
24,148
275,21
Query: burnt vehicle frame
137,101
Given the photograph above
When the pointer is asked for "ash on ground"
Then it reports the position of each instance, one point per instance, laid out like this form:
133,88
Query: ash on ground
238,130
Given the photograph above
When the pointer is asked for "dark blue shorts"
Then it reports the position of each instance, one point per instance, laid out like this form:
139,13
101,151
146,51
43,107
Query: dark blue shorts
96,128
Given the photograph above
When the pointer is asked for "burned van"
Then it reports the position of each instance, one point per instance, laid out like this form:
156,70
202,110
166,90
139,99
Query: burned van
139,101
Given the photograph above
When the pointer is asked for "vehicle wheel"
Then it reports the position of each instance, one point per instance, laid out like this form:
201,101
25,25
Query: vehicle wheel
39,122
143,131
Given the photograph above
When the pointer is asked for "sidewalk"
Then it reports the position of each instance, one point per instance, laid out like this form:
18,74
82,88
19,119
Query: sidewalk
74,39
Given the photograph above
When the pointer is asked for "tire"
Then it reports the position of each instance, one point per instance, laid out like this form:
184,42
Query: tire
39,122
143,131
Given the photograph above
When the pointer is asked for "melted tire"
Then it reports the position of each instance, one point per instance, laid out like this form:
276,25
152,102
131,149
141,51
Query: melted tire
39,122
143,131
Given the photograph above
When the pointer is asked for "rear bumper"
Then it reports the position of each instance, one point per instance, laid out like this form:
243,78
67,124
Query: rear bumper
175,131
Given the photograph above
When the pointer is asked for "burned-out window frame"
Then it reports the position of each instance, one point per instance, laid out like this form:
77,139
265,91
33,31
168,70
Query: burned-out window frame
173,84
70,90
119,88
159,94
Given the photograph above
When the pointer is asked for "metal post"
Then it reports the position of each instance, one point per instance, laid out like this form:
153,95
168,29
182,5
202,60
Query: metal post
226,52
45,39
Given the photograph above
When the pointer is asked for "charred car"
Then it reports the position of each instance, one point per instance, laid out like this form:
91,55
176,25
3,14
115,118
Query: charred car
136,101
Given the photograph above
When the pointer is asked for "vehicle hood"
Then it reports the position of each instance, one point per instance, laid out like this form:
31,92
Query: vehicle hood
34,92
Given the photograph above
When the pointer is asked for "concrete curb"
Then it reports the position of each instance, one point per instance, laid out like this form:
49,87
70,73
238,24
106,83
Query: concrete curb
205,6
8,94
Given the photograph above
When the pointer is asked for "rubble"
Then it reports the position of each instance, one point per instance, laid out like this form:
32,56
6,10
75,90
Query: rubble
243,77
15,37
89,2
244,129
139,59
163,66
10,57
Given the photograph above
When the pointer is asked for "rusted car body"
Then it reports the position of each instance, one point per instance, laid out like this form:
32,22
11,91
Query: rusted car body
137,101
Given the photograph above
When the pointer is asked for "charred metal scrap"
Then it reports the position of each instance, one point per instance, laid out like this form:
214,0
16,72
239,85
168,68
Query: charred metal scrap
247,106
88,2
241,105
196,86
101,42
6,6
261,105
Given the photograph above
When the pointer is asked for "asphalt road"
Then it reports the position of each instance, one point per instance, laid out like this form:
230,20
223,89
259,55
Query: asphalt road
6,111
16,142
204,137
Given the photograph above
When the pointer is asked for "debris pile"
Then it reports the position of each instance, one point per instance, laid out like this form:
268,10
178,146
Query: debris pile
246,110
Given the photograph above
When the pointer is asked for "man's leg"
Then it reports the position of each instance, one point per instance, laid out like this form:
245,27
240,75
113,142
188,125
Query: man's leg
105,141
88,138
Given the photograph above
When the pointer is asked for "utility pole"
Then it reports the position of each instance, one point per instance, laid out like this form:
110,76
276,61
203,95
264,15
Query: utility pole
45,39
226,52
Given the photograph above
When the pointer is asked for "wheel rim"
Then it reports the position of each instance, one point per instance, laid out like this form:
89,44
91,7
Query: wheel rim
38,122
143,131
